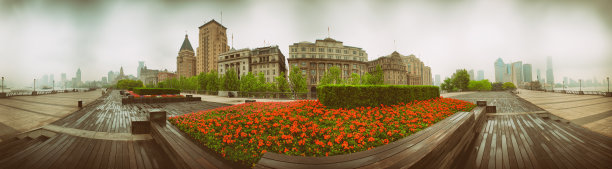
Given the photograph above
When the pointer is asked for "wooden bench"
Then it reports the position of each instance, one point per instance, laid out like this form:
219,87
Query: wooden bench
434,147
140,125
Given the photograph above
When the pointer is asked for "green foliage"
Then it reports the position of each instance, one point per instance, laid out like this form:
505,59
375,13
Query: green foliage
230,81
376,78
155,91
248,82
281,83
482,85
183,83
297,81
261,84
351,96
212,83
127,83
202,80
447,85
461,79
355,79
509,86
497,86
332,76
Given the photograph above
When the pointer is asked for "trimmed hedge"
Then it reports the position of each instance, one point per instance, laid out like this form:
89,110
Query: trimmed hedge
351,96
156,91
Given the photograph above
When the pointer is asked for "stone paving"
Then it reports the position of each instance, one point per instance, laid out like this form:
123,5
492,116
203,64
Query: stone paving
590,111
23,113
233,101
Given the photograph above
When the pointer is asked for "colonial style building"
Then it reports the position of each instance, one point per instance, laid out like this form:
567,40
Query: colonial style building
235,59
418,73
394,69
212,42
186,61
268,60
165,75
148,76
314,59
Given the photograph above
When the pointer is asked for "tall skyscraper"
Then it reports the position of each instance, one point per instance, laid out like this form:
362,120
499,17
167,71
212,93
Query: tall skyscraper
111,77
540,78
527,73
140,66
78,75
437,80
499,70
51,79
64,77
212,42
186,61
471,73
480,75
517,73
550,79
44,81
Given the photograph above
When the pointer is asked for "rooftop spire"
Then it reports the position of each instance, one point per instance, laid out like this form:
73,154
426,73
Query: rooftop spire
186,44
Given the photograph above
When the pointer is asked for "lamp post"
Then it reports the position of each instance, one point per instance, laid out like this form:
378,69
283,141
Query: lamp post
53,86
34,84
3,84
608,78
580,84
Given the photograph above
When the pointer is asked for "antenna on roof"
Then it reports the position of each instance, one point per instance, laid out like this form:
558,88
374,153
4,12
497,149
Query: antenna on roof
232,40
328,31
221,17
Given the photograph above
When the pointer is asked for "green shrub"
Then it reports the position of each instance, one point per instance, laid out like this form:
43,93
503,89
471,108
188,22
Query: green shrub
156,91
509,86
351,96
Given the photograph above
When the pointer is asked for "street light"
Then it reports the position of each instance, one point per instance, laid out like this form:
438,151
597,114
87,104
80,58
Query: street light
580,84
34,84
3,84
53,86
608,78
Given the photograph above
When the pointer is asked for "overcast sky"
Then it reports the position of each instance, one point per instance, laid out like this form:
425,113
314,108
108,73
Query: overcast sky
44,37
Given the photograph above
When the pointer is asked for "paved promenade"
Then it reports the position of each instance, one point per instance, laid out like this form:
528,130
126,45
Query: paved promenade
589,111
23,113
232,101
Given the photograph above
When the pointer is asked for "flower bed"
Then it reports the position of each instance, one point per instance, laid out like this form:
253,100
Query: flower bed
242,133
153,96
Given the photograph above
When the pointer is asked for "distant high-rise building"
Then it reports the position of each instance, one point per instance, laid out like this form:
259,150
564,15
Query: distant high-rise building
64,79
212,42
499,70
480,75
44,81
78,76
104,80
51,79
471,73
550,79
437,80
527,73
540,78
111,77
140,66
565,81
517,73
186,61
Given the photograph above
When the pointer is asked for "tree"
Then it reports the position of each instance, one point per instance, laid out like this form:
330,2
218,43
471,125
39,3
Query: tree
213,81
297,81
261,85
202,80
481,85
508,86
247,83
332,76
281,83
377,77
461,79
497,86
447,85
127,83
355,79
230,81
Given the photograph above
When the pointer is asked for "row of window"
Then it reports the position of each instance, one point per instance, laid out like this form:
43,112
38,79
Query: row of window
329,50
329,65
322,56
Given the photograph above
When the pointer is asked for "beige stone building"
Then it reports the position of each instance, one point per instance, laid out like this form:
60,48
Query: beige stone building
165,75
314,59
186,61
394,70
268,60
212,42
418,73
235,59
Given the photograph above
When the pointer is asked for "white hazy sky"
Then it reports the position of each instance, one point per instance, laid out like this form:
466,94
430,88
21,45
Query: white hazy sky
53,37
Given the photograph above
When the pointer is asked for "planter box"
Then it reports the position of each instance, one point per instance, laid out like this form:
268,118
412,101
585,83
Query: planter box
3,95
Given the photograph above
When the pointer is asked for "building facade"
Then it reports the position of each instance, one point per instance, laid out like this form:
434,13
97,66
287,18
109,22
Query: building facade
186,61
418,73
212,42
165,75
472,75
499,70
394,69
480,75
527,73
235,59
148,76
140,66
268,60
517,73
437,82
550,78
314,59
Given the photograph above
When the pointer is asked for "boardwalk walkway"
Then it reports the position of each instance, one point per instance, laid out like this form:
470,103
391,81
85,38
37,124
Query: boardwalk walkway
522,135
97,136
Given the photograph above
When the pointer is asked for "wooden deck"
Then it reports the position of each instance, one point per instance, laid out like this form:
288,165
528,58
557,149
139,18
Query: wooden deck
518,138
106,114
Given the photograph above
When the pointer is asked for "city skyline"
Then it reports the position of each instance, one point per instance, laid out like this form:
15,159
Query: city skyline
56,37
